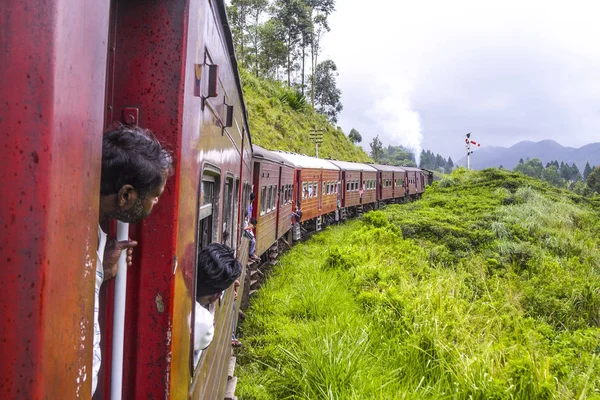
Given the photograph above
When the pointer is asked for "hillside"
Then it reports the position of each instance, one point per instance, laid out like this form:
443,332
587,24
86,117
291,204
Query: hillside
545,150
275,125
486,288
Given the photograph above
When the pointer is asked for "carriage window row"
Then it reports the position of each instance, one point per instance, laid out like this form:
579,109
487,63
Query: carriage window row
330,187
286,194
369,185
268,199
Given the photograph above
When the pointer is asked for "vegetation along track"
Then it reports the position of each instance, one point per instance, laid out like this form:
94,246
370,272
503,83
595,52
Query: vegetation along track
486,288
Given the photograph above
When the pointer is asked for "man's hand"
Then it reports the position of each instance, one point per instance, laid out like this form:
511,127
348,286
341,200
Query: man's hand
112,252
235,286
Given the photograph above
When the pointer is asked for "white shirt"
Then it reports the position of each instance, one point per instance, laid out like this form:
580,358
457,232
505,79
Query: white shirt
204,331
97,360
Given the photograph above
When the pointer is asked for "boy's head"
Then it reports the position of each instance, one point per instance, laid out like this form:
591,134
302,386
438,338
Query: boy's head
253,221
217,270
135,168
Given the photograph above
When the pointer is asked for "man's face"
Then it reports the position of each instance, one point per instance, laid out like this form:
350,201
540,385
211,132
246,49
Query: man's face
141,208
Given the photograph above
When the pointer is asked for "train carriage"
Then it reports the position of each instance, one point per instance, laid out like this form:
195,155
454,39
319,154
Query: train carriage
316,185
415,182
357,176
391,181
273,183
167,66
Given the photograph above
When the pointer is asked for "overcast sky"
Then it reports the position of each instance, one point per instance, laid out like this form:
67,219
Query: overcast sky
423,73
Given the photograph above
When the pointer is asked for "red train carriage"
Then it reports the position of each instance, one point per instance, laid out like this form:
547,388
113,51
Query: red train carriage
360,184
163,65
51,118
317,185
415,181
391,181
273,183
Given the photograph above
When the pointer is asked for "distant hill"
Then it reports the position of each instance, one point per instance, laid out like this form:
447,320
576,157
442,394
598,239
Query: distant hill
281,120
546,150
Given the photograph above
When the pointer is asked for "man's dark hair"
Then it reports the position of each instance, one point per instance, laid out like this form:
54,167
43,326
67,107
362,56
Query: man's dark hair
253,221
252,196
217,269
132,156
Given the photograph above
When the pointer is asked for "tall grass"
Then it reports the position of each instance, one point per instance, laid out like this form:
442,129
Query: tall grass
487,292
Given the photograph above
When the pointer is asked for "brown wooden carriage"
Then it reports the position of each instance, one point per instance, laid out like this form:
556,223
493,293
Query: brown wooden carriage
359,183
317,185
273,185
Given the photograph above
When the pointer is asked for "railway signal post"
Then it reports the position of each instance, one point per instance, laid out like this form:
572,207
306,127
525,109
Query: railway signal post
316,136
468,143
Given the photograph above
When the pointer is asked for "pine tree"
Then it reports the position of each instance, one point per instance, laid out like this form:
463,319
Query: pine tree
587,170
376,149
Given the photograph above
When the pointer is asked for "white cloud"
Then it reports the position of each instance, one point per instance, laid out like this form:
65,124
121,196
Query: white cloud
422,73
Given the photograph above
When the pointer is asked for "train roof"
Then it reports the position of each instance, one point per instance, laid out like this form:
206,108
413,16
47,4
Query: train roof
411,169
388,168
302,161
259,152
353,166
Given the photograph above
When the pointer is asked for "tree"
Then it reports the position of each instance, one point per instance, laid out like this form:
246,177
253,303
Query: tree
376,149
327,95
293,16
550,174
586,170
319,11
593,180
272,53
449,166
531,168
354,136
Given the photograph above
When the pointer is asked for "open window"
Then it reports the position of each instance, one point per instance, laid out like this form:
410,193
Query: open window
228,215
208,216
263,200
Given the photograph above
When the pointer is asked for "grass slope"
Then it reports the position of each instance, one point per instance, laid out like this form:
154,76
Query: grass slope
275,125
487,288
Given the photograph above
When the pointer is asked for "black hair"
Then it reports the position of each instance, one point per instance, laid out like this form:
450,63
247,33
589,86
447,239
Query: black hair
217,270
253,221
252,196
132,156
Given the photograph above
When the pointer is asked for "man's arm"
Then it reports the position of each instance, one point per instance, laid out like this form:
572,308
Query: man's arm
111,256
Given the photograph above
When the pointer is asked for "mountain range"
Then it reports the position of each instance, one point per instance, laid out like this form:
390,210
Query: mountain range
546,151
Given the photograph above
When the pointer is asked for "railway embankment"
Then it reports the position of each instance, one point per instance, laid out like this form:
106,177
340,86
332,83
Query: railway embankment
487,287
281,119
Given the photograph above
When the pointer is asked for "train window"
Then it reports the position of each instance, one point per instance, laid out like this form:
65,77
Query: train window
234,214
263,200
209,209
274,197
310,189
304,191
228,202
269,198
347,186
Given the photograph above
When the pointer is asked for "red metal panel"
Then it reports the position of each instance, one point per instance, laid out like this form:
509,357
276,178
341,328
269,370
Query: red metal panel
148,63
52,81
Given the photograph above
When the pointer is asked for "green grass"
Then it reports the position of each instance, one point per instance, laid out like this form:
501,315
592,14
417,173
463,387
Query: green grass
487,288
282,119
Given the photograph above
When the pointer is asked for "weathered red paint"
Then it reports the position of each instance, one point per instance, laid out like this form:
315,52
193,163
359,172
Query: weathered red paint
52,79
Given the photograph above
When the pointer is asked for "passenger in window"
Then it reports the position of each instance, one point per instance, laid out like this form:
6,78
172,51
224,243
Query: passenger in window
252,196
217,270
297,215
134,173
249,224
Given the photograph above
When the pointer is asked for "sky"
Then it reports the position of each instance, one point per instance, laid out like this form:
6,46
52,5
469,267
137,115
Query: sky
424,73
